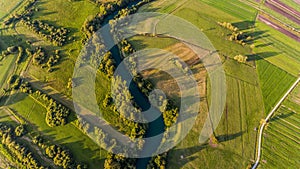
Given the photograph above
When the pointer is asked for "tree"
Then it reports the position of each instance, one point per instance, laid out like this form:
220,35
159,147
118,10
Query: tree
20,130
241,58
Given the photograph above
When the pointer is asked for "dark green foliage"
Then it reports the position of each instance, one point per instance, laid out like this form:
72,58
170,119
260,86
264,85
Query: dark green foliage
12,49
20,55
108,101
58,36
20,130
39,56
158,161
25,88
56,115
22,154
60,156
236,35
91,25
119,162
14,81
107,65
123,107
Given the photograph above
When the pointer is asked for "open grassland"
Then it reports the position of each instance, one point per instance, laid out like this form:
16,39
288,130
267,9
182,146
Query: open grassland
235,8
5,66
67,14
235,133
81,146
7,6
274,83
281,139
205,16
277,49
244,106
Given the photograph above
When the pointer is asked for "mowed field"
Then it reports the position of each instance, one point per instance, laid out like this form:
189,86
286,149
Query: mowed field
244,107
277,48
81,146
235,132
274,83
281,138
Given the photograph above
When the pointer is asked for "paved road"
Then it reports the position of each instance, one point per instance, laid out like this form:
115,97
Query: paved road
267,119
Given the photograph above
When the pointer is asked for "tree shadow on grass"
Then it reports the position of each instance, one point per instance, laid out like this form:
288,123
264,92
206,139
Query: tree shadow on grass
184,155
243,25
227,137
15,98
261,55
264,45
282,116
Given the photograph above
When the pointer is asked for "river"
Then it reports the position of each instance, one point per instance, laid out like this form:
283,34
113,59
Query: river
155,127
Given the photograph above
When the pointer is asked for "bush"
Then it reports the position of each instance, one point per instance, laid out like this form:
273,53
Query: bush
20,130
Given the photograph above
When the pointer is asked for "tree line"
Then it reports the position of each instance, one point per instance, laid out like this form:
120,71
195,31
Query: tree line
55,35
42,59
56,114
237,36
91,25
60,156
23,155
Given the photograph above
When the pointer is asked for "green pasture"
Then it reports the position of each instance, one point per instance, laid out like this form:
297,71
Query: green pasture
282,135
80,145
7,7
70,15
274,83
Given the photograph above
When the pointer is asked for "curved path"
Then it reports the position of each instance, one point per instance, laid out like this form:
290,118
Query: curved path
264,123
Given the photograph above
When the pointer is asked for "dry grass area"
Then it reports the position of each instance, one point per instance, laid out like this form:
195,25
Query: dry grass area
167,83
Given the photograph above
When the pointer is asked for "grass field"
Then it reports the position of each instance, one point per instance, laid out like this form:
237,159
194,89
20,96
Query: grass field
207,18
235,133
7,6
285,52
273,87
5,66
81,146
244,106
281,138
70,15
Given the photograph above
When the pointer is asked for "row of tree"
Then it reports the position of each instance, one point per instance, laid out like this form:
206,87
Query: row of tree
21,153
236,35
158,161
56,114
107,65
59,155
41,58
91,25
240,58
57,36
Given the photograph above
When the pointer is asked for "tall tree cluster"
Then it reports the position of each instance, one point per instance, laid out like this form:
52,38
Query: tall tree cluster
21,153
58,36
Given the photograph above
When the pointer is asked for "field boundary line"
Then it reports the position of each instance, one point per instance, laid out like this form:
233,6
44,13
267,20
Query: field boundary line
264,123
